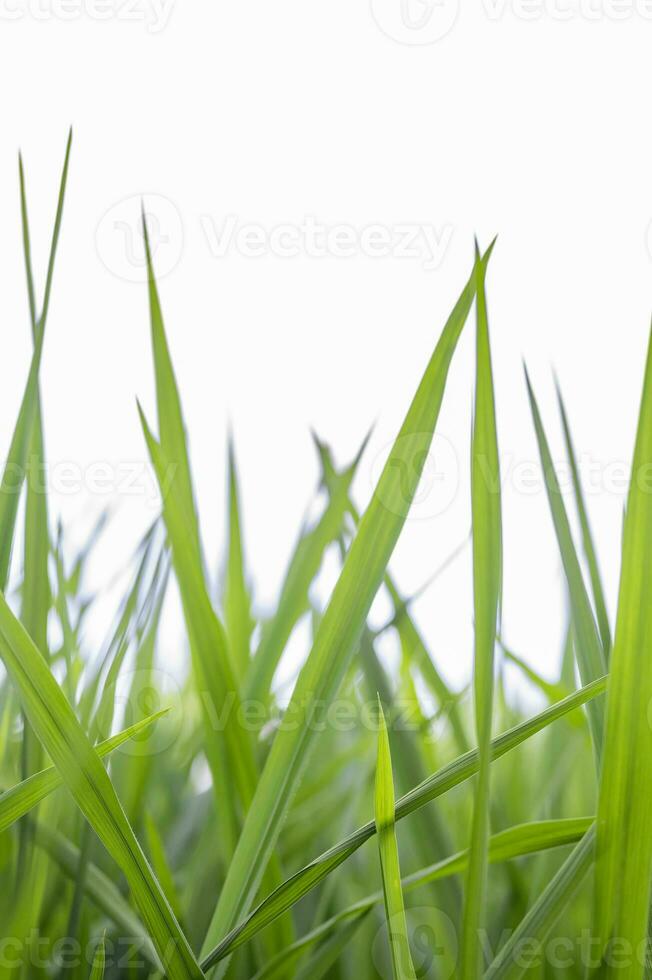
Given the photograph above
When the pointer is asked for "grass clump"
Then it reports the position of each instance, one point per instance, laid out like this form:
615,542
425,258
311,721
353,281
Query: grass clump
523,853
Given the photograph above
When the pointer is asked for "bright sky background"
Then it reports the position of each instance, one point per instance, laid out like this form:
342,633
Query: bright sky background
286,151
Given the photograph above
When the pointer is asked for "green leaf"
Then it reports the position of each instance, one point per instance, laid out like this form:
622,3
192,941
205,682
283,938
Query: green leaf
338,632
624,843
487,576
399,942
435,786
63,738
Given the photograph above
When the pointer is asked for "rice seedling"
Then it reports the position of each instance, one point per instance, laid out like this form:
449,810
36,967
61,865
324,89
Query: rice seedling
228,830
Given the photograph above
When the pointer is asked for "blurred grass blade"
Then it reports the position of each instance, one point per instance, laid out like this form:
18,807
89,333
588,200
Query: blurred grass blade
507,845
213,666
20,799
436,785
590,654
98,887
160,864
302,570
399,943
338,632
587,537
237,600
61,735
624,843
487,576
97,969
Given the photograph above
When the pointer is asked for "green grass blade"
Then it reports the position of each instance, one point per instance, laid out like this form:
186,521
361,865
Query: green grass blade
302,570
399,943
487,576
624,843
237,600
160,864
507,845
590,654
98,887
541,919
587,536
99,960
435,786
20,799
338,632
61,735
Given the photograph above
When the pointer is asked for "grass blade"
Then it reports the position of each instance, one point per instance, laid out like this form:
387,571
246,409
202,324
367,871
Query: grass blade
20,799
590,654
624,843
436,785
402,965
587,536
487,576
61,735
338,632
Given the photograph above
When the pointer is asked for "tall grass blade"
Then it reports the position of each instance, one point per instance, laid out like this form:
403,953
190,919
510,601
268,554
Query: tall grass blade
624,842
399,943
487,576
338,632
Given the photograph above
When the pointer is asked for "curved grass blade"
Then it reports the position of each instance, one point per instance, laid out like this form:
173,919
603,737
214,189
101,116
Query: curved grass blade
487,577
61,735
624,842
508,845
436,785
399,943
20,799
338,631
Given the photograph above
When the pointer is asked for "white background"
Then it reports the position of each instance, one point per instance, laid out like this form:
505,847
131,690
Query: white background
529,121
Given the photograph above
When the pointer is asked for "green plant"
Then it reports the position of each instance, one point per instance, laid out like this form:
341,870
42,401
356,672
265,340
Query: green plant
527,853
